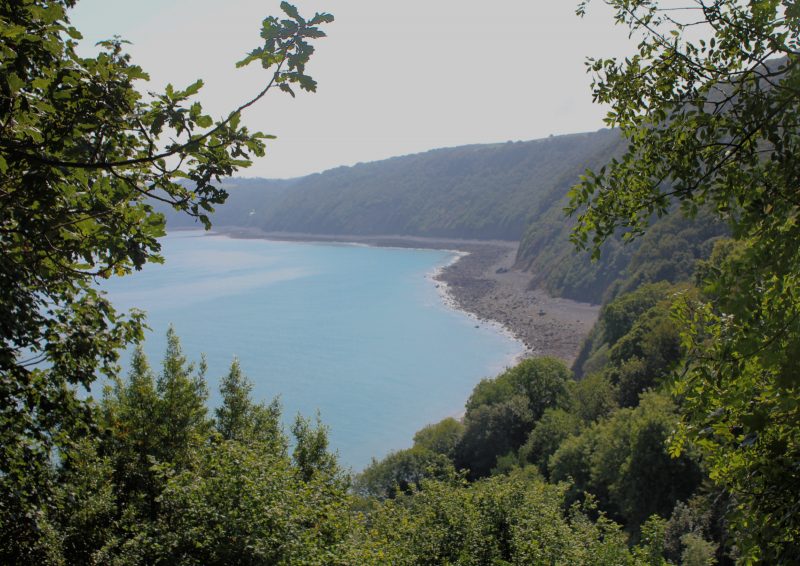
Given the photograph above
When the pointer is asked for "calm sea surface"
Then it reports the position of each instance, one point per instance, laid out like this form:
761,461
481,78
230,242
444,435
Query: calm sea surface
358,333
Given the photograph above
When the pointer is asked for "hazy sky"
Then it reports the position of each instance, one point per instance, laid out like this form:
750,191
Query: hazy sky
394,77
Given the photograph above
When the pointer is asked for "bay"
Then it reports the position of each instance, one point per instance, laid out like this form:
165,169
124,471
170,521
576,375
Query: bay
359,334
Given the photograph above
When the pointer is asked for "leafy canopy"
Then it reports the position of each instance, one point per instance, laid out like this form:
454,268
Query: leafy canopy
709,104
83,154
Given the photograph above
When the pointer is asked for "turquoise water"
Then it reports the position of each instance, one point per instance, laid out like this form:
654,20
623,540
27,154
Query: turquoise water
358,333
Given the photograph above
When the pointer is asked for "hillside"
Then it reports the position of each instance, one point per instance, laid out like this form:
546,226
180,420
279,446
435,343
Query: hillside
488,191
479,191
668,252
247,199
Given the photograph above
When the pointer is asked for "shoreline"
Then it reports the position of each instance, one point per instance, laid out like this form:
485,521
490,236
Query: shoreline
480,281
450,301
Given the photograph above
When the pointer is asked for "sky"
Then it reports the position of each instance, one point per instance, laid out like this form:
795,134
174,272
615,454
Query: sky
393,77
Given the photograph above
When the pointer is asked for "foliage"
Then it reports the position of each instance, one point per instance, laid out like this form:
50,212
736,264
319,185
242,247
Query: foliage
690,530
441,438
239,503
84,507
486,191
238,418
162,488
635,345
555,426
402,471
543,381
152,420
502,411
653,536
180,415
668,252
644,357
592,398
618,317
501,520
477,191
613,340
545,252
713,123
310,454
491,431
234,417
83,154
698,551
616,457
218,500
625,463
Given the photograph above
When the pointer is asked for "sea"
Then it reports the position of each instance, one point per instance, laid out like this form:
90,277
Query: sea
361,336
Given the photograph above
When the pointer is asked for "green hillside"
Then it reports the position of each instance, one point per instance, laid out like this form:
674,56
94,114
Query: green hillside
667,253
247,200
488,191
478,191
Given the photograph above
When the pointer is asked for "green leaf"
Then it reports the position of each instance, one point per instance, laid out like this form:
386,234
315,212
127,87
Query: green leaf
193,88
204,121
291,11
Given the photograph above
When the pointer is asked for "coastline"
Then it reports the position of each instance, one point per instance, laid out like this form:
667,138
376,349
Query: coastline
484,284
451,301
481,281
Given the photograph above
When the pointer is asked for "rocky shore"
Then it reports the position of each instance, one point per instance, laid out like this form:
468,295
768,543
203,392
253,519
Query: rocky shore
483,282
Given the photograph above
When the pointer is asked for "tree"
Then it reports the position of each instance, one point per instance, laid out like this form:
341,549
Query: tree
239,418
237,504
310,454
501,520
162,485
149,420
402,471
83,154
491,431
709,104
555,426
180,414
81,516
233,416
624,462
592,398
643,357
542,380
129,412
618,317
502,411
441,438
